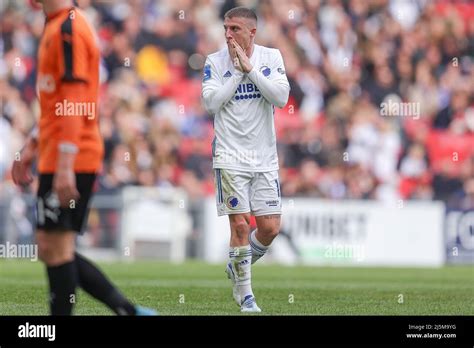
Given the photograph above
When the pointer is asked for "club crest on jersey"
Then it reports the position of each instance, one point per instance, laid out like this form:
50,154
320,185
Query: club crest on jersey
45,83
265,70
207,72
232,202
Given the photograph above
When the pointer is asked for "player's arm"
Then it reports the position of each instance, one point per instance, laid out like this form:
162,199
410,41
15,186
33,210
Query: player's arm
64,182
21,168
70,127
275,88
72,89
215,94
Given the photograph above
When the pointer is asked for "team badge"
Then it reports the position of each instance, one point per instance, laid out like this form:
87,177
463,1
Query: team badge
265,70
207,72
232,202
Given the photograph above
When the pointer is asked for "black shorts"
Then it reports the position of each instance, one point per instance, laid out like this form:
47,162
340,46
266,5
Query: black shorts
51,217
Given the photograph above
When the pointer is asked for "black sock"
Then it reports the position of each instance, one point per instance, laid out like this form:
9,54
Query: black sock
62,288
96,284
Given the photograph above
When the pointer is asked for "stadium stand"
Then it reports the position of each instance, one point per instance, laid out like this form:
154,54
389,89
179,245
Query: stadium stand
344,59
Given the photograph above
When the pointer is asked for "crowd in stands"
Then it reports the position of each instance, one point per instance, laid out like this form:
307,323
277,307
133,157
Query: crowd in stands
381,103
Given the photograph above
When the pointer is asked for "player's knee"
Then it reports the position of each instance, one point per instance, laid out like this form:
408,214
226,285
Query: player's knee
241,229
54,258
45,251
270,231
53,254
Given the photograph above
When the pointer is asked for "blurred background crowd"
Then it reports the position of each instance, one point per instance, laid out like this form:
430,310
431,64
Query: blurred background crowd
344,60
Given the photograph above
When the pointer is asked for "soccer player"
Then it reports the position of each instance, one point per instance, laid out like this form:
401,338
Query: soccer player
242,84
69,149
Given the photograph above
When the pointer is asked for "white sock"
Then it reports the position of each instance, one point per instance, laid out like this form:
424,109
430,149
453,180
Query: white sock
241,258
258,249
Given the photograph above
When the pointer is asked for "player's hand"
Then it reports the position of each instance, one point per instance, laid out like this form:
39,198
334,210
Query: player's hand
233,55
21,168
64,184
243,59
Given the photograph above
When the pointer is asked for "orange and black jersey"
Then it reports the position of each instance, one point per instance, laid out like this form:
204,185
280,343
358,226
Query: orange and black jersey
68,87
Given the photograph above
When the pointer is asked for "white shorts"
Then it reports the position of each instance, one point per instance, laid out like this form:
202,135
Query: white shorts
239,192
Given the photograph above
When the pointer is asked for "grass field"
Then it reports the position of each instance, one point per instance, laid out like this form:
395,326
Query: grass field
195,288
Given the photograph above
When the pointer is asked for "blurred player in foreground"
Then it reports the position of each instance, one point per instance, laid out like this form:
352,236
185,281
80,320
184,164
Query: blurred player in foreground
241,86
70,152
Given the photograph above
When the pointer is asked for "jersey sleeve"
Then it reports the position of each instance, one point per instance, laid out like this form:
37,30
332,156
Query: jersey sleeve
75,52
215,94
77,72
274,87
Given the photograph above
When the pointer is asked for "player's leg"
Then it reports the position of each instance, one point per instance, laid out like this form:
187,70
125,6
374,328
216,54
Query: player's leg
223,209
90,278
268,227
66,270
96,284
240,255
266,206
56,240
239,229
56,250
57,229
232,188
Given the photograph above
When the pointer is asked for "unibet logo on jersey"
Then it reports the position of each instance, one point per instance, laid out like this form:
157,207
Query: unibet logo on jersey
247,91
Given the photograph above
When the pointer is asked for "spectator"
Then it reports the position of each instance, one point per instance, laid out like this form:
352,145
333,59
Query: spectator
343,59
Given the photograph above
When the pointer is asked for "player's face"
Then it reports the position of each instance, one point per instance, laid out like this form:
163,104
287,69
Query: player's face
240,29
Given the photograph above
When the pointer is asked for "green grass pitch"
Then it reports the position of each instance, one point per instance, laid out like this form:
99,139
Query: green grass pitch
195,288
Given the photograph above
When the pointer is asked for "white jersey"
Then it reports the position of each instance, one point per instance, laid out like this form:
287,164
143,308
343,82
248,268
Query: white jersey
243,109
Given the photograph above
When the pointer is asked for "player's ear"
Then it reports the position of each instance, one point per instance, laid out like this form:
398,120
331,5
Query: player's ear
252,27
253,32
